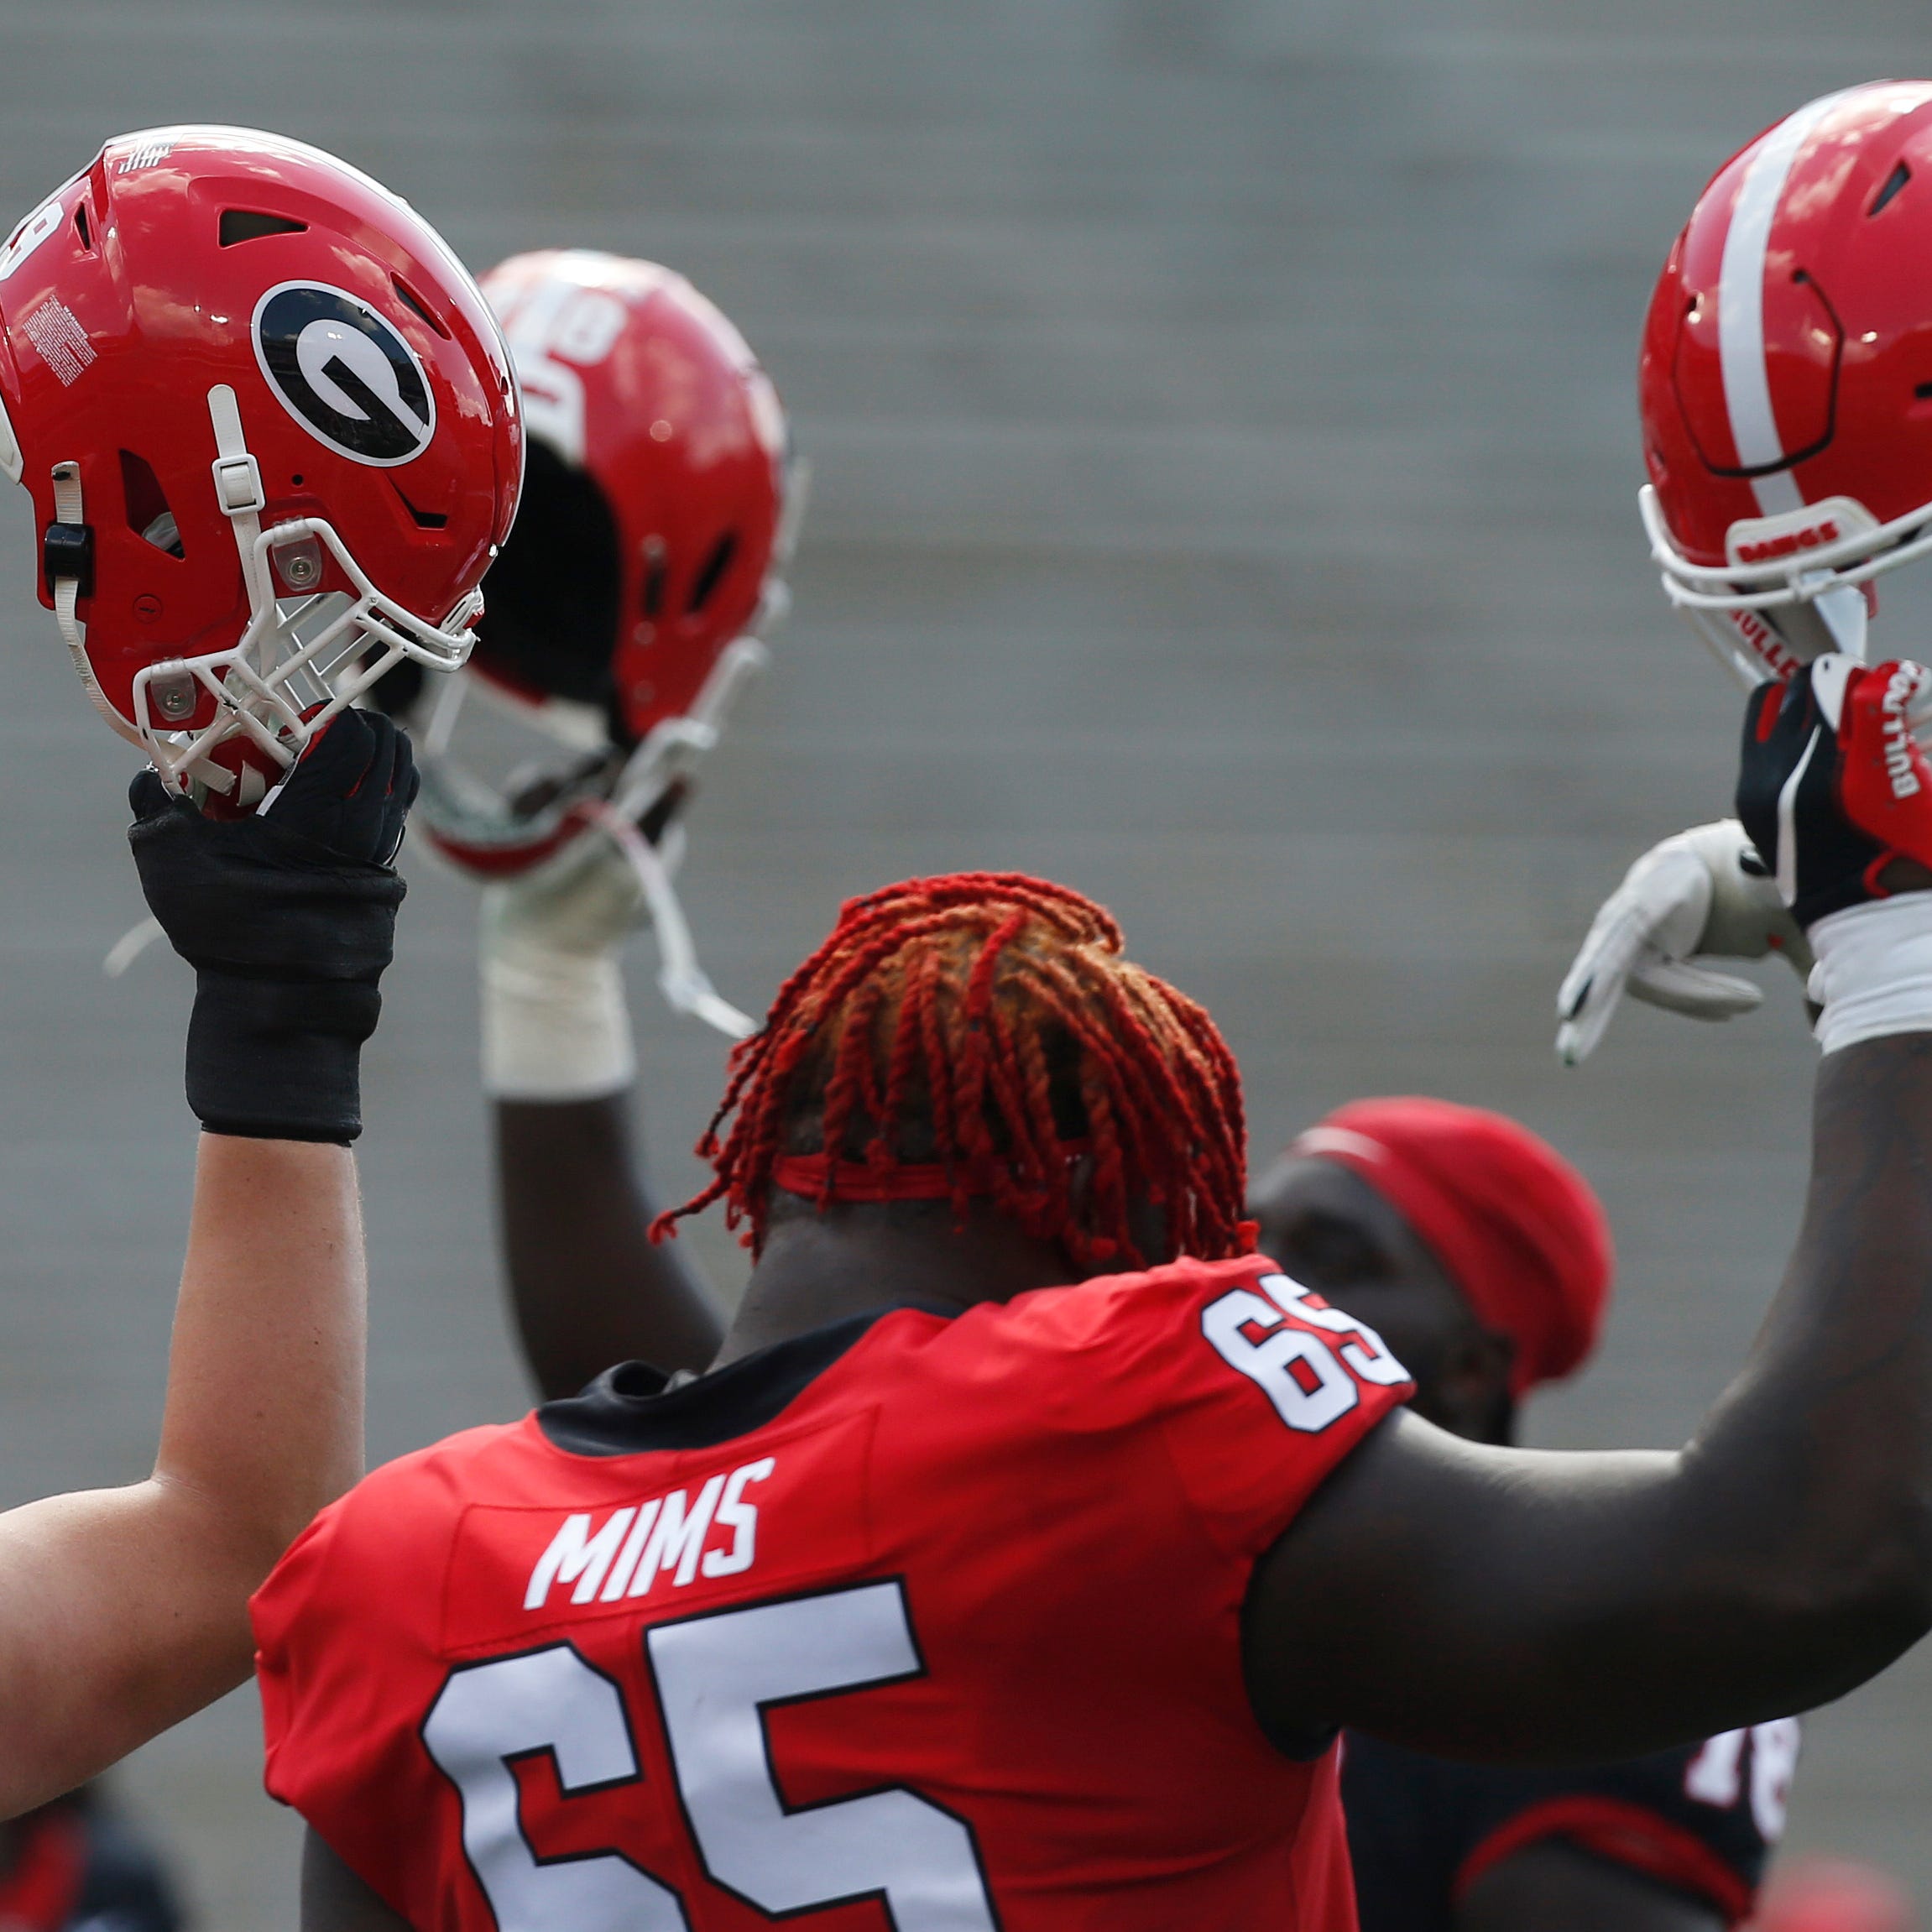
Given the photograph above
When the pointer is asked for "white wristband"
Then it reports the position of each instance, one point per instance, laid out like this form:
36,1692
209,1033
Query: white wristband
556,1025
1874,971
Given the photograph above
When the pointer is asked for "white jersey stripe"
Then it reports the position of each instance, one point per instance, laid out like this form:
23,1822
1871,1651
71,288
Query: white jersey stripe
1741,304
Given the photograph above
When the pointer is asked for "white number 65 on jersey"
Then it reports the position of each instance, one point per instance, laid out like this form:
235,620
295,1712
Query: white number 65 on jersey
1298,1372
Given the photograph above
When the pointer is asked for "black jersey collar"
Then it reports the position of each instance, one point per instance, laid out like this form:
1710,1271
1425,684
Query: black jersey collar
630,1410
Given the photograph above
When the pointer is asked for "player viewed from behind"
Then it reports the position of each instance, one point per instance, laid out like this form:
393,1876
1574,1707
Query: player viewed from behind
1787,434
1483,1259
271,439
888,1604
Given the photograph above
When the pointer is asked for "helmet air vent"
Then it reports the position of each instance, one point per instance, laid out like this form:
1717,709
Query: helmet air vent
424,519
411,299
249,225
715,566
1894,182
149,516
81,227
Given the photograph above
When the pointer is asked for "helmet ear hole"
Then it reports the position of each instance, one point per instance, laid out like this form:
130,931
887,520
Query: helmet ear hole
148,514
551,599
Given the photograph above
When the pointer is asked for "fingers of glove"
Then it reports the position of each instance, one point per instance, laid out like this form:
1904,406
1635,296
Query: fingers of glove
1694,991
1603,962
146,794
1578,1038
1594,983
148,798
330,771
1660,908
351,789
1884,784
398,795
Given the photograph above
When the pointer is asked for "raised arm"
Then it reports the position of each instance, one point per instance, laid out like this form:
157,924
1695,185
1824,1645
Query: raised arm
586,1287
1498,1603
123,1610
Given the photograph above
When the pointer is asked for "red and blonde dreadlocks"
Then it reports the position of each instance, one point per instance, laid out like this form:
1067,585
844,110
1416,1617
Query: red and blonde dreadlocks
981,1035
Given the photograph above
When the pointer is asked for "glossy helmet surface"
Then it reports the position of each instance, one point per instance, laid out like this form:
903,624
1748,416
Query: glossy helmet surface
657,487
271,433
1786,379
647,552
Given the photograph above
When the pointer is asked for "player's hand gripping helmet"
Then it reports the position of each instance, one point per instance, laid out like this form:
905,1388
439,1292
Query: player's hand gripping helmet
625,611
1786,381
272,437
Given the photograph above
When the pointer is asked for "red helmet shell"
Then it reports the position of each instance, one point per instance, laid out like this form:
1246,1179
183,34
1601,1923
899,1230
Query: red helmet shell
1787,357
631,375
165,269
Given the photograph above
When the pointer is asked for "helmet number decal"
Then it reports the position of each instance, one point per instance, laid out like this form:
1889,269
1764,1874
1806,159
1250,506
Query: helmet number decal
556,331
34,231
587,329
344,373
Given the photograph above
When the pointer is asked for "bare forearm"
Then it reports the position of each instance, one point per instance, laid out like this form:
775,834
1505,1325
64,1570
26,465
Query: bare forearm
1808,1492
587,1285
1788,1555
264,1413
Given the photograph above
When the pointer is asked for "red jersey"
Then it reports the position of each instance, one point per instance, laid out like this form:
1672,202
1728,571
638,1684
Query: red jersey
910,1622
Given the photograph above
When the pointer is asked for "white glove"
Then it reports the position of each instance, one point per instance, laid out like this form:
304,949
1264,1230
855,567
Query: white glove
556,1025
1691,895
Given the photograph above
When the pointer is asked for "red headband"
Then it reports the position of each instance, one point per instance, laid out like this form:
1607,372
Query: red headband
819,1179
1518,1230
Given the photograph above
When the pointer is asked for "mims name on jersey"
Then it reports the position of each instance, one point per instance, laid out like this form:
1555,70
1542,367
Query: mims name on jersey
635,1545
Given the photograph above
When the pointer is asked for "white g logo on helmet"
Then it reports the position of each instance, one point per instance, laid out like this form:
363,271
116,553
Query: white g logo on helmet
344,373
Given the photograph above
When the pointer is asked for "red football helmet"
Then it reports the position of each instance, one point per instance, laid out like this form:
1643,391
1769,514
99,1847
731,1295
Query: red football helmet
658,513
271,436
647,406
1786,381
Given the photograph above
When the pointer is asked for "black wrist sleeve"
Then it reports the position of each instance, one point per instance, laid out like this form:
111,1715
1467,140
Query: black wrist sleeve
276,1062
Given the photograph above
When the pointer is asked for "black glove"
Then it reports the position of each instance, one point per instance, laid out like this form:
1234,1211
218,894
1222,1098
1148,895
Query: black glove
1863,795
288,919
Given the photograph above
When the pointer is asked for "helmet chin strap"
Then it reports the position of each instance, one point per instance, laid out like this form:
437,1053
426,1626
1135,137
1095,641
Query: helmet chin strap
238,491
680,977
70,512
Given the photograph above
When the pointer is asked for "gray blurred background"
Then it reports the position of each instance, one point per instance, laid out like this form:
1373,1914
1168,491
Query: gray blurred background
1222,424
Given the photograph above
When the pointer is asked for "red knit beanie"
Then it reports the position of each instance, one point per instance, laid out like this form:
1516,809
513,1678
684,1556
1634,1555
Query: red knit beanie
1516,1228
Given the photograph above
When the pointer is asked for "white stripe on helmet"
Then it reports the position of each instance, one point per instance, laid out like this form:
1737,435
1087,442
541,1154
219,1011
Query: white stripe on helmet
1741,304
